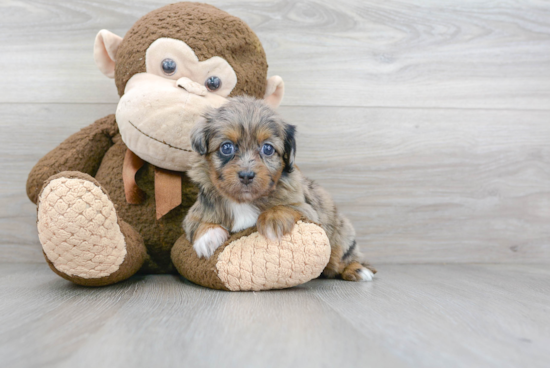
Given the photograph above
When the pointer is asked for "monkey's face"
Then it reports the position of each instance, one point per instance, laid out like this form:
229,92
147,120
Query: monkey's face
160,106
246,147
168,70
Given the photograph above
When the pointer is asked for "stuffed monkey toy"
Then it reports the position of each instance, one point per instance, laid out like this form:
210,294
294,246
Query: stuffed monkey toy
112,197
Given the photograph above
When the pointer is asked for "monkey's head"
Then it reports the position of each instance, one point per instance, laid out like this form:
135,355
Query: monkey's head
174,64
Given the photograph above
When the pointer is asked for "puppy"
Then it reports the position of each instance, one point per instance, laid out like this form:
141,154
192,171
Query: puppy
246,175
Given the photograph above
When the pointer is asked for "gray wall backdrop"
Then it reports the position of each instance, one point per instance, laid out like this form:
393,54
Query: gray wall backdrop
428,121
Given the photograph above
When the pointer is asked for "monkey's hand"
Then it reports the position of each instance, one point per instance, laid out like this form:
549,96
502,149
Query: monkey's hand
208,238
277,221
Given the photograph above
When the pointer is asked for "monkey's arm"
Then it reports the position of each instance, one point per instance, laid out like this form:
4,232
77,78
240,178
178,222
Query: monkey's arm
248,261
82,151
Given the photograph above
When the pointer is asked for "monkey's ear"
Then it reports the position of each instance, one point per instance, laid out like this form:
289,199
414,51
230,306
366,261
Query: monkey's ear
200,136
105,49
274,91
290,147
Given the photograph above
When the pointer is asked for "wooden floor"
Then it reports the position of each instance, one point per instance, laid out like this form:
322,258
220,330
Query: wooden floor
411,316
428,122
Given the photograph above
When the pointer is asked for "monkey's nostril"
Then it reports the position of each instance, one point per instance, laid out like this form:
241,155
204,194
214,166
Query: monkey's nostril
246,176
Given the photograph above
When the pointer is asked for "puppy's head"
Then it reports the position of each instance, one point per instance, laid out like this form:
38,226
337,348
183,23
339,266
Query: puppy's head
246,147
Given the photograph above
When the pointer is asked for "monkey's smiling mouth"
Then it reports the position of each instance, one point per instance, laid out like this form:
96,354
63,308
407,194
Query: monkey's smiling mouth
158,140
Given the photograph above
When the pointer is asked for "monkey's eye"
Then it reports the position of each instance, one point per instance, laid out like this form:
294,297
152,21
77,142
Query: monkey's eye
213,83
168,66
227,149
268,149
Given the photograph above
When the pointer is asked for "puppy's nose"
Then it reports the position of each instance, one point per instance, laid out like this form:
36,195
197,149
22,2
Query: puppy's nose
246,176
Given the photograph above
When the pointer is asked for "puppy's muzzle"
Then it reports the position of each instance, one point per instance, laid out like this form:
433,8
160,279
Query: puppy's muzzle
246,177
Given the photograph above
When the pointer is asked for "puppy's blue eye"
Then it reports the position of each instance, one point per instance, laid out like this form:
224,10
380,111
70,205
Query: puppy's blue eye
168,66
227,149
268,149
213,83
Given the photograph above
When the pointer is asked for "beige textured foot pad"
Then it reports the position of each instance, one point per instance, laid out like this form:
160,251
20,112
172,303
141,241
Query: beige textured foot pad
78,229
254,263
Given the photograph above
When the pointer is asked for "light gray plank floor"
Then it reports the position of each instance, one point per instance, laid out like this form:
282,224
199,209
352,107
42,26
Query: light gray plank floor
476,315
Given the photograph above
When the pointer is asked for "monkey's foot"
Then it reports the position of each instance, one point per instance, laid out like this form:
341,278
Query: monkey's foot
78,229
249,261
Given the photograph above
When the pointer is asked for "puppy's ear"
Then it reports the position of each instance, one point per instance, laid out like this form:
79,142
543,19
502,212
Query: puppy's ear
290,147
200,136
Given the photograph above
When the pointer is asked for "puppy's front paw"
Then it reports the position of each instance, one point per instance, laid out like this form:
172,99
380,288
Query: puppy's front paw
277,222
207,243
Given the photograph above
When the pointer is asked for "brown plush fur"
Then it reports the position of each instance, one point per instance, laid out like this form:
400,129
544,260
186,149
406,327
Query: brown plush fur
96,153
136,252
204,271
199,270
83,151
98,150
158,235
102,137
208,31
